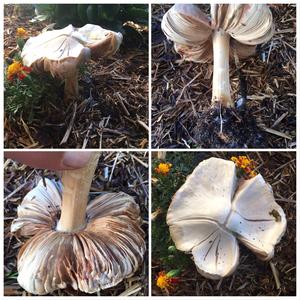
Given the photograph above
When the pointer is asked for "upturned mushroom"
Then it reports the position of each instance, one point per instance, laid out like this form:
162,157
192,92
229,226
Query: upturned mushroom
231,29
61,52
88,246
213,209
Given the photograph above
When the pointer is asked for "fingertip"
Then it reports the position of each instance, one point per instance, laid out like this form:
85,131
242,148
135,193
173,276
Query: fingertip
75,160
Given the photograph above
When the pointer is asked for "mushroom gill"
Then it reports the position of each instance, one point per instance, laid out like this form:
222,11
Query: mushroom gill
231,31
213,209
89,247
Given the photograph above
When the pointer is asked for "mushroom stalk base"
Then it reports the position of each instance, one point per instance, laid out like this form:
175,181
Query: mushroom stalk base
76,187
221,83
71,90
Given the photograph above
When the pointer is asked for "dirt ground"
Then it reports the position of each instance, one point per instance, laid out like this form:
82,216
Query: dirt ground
112,111
116,171
181,90
252,277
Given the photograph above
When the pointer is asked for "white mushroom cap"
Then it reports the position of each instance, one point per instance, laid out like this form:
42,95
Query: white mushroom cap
197,215
207,193
250,24
55,45
256,218
182,21
109,249
215,250
210,210
62,51
102,42
191,30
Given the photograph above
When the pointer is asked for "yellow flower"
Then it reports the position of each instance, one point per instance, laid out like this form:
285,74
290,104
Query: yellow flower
246,165
252,174
234,159
163,168
165,281
21,32
13,69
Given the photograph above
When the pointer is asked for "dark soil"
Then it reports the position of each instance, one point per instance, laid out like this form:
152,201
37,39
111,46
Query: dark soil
228,128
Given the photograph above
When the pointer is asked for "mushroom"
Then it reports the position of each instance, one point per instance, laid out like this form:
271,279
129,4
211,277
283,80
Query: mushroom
213,209
86,245
232,28
61,52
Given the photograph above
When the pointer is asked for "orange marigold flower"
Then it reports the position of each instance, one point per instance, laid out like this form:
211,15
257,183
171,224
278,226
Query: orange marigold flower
246,165
163,168
21,32
17,69
14,69
165,281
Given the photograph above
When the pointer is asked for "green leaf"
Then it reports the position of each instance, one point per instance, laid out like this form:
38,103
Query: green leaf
20,43
45,9
92,13
27,79
66,14
11,275
136,14
115,26
108,12
82,12
172,249
173,273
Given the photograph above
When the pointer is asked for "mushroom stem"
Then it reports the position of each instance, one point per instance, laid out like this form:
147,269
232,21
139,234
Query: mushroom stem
161,155
76,187
71,88
221,83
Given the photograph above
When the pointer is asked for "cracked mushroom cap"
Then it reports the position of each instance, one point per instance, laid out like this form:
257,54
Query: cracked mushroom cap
211,210
191,30
61,51
258,221
109,249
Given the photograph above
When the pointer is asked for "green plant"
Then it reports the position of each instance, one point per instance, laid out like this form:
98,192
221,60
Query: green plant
11,275
43,12
111,15
163,189
22,97
117,17
25,91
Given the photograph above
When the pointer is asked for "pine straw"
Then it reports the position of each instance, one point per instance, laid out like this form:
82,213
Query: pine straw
116,171
182,90
252,277
112,111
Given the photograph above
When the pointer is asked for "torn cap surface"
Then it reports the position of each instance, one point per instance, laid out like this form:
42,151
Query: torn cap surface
256,218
